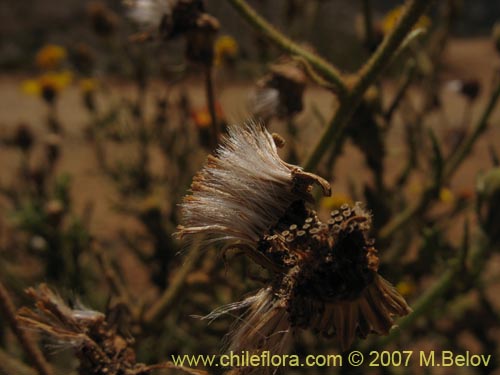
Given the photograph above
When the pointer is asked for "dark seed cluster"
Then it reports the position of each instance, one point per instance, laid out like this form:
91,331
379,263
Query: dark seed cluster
322,262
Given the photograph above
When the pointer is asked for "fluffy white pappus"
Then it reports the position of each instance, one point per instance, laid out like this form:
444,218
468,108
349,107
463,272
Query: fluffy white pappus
242,191
148,13
264,102
263,325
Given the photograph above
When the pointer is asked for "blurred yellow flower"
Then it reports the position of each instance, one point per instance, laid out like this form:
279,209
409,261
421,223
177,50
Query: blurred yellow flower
48,85
334,202
392,17
405,288
446,196
202,119
87,85
50,56
226,48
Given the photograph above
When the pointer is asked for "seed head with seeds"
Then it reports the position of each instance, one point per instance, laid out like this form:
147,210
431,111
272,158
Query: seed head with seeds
324,273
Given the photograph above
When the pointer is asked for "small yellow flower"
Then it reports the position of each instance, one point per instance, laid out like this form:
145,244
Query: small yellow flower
48,85
226,48
334,202
446,196
87,85
202,118
405,288
50,56
392,17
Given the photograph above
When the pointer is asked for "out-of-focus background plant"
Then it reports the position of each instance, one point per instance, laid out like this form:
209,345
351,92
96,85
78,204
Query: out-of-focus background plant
108,109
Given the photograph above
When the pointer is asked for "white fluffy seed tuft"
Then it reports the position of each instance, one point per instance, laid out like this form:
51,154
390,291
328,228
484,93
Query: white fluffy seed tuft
242,191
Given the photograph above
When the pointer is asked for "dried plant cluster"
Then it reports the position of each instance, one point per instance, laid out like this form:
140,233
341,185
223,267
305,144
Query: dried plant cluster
325,274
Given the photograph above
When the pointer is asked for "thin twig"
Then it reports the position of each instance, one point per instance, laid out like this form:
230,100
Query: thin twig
332,136
210,94
321,65
34,354
368,22
440,287
450,168
466,146
169,296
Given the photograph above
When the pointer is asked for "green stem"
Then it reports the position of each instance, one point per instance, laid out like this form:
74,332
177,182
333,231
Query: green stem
439,288
450,168
466,147
321,65
169,297
366,76
368,22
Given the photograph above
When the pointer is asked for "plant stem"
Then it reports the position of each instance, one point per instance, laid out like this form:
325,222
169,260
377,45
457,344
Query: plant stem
466,147
169,296
321,65
440,287
209,90
366,76
368,22
34,354
450,168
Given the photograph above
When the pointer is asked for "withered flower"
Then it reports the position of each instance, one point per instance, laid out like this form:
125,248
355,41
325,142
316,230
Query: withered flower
470,88
148,12
176,18
183,17
104,20
324,273
280,92
201,39
96,339
98,347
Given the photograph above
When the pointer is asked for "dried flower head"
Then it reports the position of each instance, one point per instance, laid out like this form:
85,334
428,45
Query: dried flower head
280,92
174,18
99,346
325,273
104,20
244,189
148,12
201,39
470,88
